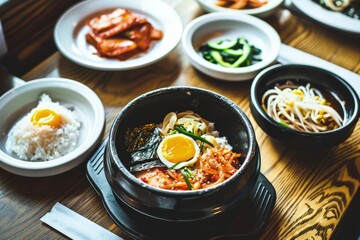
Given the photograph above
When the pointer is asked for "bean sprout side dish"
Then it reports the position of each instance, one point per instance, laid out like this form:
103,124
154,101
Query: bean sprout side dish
350,8
302,108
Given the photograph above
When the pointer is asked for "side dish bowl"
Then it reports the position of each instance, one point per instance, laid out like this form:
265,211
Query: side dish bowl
262,12
188,205
336,88
19,101
228,25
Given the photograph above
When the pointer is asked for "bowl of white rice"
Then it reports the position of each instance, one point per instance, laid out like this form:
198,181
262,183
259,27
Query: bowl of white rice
49,126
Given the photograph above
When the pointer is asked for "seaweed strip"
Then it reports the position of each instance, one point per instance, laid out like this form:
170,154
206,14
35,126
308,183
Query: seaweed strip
150,163
142,142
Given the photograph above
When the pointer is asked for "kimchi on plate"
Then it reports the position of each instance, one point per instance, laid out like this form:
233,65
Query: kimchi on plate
121,34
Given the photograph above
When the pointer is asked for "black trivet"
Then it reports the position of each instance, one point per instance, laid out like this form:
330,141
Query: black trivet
247,221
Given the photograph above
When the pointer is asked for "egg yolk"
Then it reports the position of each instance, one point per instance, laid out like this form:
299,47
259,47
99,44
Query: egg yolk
45,116
177,149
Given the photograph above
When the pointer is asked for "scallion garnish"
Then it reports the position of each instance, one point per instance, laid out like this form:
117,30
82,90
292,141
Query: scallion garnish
174,166
284,124
187,174
181,129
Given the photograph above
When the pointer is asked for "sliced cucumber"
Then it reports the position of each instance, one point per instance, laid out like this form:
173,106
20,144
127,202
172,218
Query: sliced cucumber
222,44
230,53
246,52
256,50
218,59
233,52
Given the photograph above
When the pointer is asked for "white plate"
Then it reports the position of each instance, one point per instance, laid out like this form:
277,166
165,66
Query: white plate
263,11
71,28
330,18
17,102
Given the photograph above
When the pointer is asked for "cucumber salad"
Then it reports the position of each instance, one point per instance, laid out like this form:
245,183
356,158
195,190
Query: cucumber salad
230,53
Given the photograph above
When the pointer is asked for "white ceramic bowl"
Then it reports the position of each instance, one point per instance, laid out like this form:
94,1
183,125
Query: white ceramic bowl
17,102
263,11
226,25
336,20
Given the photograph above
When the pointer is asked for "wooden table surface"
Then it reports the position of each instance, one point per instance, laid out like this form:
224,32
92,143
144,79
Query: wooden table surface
314,189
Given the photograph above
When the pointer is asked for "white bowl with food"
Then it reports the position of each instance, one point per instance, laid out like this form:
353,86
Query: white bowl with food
48,126
258,8
230,46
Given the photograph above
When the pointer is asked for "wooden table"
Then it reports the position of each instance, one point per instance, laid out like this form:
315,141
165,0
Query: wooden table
314,189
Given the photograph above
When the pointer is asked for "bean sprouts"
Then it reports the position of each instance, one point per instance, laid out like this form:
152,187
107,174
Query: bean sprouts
303,108
336,5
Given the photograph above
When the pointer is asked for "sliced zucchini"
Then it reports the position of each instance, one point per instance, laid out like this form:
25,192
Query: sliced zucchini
222,44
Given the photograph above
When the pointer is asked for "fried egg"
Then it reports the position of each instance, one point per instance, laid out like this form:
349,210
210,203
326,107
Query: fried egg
46,116
178,149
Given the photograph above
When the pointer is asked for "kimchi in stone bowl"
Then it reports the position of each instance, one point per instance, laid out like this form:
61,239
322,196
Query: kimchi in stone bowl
181,154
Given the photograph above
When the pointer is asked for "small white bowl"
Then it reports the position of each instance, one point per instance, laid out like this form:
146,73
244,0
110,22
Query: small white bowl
262,12
227,25
19,101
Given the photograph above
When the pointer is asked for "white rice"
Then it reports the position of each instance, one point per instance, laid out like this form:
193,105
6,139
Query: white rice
222,141
43,143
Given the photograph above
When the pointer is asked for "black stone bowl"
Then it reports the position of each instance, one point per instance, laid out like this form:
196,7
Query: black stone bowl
191,205
334,88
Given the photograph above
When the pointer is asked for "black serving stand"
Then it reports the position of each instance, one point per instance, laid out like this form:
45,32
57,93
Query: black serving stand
247,221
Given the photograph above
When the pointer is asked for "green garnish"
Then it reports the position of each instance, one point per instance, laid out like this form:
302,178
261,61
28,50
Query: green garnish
182,130
283,124
174,166
188,171
187,174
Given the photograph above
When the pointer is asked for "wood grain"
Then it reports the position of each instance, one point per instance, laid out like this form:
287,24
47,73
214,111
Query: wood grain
28,28
314,188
